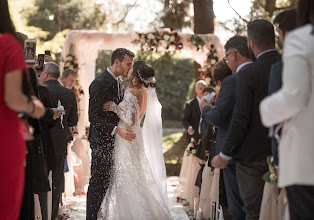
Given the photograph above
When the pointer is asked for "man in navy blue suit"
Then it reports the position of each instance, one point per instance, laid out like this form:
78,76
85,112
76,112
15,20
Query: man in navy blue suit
237,57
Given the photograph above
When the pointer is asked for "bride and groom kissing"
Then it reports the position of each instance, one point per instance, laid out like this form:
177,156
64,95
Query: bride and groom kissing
128,176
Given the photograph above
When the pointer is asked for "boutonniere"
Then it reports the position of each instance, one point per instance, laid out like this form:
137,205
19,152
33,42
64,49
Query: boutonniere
119,78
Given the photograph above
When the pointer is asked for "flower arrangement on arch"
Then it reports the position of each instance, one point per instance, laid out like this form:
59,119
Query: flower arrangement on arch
153,41
192,146
212,59
196,41
71,61
271,175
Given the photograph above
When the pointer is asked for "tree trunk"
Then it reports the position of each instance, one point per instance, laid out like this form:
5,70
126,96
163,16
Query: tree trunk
270,7
203,22
203,16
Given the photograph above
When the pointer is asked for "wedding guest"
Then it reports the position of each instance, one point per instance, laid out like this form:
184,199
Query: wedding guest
207,139
237,58
36,170
273,205
286,22
69,77
67,99
192,112
247,141
12,101
237,55
209,133
190,164
293,105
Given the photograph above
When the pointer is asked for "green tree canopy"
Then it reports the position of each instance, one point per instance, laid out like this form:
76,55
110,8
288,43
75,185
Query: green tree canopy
58,15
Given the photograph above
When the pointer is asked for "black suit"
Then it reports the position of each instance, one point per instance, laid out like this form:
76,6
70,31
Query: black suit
191,117
59,137
247,140
104,88
275,82
221,116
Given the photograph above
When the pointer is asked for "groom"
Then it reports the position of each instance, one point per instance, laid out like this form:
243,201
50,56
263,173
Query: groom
103,127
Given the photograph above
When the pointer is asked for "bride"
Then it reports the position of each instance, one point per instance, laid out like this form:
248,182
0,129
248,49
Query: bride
138,186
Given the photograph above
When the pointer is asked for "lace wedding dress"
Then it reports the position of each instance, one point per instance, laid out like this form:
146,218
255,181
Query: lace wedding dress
133,192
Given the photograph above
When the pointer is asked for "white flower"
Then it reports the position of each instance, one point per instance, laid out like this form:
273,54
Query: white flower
215,54
142,41
172,47
272,159
151,36
192,139
273,176
172,38
163,43
193,151
212,61
166,37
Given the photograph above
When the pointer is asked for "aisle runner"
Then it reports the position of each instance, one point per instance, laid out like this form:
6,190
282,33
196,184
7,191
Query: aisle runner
75,207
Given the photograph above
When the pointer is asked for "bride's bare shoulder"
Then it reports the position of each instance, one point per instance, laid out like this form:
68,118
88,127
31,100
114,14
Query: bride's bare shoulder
134,92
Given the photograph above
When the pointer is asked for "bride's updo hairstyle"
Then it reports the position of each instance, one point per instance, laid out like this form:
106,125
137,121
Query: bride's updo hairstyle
145,74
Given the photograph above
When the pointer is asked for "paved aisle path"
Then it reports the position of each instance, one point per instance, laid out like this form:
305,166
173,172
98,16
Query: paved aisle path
75,207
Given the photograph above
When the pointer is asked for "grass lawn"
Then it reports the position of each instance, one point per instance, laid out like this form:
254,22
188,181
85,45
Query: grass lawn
173,147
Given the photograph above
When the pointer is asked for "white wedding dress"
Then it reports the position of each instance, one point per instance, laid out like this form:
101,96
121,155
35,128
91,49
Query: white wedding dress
133,194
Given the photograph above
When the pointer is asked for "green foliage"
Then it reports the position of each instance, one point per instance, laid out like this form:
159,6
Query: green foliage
173,146
103,61
174,75
174,13
64,14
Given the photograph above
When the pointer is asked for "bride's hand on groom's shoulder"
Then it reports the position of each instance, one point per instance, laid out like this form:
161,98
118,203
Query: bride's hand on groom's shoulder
125,134
107,105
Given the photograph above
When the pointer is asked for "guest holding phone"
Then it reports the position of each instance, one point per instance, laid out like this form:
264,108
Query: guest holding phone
12,101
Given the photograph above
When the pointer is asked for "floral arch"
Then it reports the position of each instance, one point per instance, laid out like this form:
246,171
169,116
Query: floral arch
84,45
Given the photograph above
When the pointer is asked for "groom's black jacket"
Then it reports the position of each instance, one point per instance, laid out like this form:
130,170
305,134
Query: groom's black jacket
104,88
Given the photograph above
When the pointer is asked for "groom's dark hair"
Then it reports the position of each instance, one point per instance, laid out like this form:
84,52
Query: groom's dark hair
119,54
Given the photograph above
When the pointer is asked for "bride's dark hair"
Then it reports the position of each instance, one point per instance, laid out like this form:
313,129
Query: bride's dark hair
144,73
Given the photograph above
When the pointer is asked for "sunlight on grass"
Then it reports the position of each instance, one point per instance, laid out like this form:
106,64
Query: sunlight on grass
173,146
169,141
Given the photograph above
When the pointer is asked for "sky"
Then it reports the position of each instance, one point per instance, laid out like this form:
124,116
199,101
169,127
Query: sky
146,12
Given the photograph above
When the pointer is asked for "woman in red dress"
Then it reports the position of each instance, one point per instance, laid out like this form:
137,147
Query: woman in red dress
12,100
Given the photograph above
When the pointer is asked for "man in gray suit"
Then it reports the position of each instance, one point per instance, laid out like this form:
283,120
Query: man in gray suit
49,77
237,57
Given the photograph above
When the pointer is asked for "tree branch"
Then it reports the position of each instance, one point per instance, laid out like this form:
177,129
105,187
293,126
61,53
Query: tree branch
126,13
285,8
243,19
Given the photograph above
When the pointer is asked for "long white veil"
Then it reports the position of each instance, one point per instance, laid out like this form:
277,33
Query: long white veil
152,138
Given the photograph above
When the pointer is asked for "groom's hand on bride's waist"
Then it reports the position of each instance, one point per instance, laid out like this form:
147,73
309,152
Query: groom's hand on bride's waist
125,134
